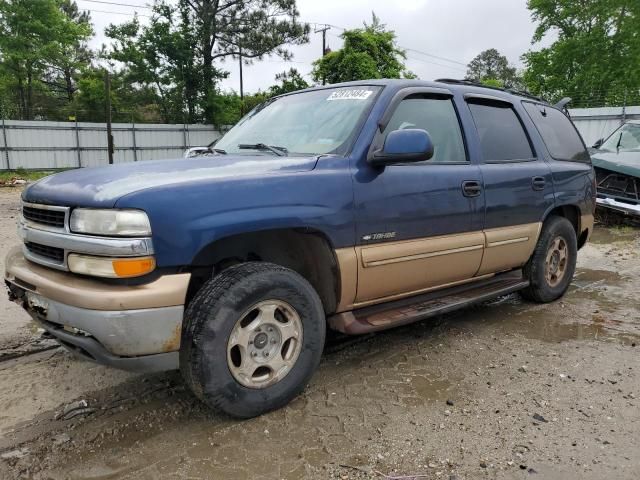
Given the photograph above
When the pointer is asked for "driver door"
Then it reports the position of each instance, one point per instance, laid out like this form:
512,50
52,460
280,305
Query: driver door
419,225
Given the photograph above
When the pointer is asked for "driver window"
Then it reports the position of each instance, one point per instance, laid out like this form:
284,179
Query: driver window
438,117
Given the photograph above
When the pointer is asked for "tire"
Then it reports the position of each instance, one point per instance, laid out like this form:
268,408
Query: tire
544,285
233,323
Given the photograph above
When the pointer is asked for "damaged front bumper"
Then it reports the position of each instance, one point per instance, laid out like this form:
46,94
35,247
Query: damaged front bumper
618,187
622,207
132,327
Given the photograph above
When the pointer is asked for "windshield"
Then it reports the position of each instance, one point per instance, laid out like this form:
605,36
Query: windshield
625,139
308,123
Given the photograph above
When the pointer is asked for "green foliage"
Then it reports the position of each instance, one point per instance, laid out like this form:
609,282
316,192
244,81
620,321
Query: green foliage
288,81
493,82
595,56
161,57
492,69
40,40
175,53
128,102
252,101
166,70
369,52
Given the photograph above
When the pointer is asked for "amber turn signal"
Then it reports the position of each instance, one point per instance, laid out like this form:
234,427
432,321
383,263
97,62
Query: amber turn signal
110,267
133,267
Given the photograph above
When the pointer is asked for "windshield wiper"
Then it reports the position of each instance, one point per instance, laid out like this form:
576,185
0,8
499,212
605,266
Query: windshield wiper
619,142
279,151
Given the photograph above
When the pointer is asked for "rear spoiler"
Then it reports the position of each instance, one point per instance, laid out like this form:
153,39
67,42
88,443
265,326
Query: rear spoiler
562,105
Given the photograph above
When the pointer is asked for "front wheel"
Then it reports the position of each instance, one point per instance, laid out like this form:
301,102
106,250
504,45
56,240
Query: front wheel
553,263
252,337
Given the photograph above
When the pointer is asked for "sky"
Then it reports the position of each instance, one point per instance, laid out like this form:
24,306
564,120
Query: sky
440,36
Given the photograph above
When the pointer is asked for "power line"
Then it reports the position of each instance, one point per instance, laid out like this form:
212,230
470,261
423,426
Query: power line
323,28
405,48
432,56
422,60
117,13
436,63
119,4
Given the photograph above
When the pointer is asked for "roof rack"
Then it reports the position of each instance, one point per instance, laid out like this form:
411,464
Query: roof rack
475,83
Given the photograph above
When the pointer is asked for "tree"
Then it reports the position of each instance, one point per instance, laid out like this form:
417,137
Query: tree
129,102
35,36
493,69
177,51
289,81
62,75
595,56
369,52
162,56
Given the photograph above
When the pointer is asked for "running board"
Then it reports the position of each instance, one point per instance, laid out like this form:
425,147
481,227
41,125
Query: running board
419,307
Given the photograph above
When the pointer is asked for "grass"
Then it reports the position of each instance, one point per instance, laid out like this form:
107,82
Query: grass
623,229
21,173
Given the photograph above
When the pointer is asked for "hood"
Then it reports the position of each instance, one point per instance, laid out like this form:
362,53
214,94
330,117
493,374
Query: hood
627,163
103,186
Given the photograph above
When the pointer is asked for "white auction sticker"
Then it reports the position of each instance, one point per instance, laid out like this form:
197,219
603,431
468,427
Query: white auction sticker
350,95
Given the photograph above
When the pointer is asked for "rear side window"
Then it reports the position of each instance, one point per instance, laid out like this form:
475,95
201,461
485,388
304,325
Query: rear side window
438,117
557,132
502,136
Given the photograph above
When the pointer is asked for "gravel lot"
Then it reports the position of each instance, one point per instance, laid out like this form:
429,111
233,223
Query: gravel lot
508,389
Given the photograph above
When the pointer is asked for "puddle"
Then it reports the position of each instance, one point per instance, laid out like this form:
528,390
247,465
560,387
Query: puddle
577,317
585,276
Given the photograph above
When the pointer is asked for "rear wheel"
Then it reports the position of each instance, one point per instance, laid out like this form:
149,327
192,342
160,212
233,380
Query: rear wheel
253,336
553,263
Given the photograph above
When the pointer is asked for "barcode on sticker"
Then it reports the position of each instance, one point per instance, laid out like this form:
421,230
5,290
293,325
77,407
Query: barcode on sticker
350,95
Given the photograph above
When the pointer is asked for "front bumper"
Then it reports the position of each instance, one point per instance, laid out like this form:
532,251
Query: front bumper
626,208
133,327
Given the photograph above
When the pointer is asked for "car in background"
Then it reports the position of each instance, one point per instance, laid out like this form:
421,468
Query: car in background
617,164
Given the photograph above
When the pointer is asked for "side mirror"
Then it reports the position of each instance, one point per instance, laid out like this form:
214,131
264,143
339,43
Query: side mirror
598,143
401,146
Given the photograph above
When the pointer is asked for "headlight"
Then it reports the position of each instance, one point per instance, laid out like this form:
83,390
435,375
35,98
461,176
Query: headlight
110,267
121,223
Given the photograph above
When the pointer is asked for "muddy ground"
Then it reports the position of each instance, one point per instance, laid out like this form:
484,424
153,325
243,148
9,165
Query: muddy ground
508,389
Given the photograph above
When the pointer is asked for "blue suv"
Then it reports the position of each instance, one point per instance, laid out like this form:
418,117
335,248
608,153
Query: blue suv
357,207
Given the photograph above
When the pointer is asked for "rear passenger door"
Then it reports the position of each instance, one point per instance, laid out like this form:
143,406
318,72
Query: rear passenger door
518,186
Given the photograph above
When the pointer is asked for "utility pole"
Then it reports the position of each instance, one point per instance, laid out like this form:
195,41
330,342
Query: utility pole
241,82
107,90
324,43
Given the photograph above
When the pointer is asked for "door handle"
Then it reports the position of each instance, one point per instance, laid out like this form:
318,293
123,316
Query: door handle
538,183
471,188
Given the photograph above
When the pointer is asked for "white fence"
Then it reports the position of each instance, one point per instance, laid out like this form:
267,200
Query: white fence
43,145
596,123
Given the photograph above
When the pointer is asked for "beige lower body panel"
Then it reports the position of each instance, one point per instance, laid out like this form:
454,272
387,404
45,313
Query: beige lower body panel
372,274
84,292
508,247
586,223
395,268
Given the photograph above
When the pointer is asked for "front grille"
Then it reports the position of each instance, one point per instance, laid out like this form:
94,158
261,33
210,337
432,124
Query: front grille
52,253
52,218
